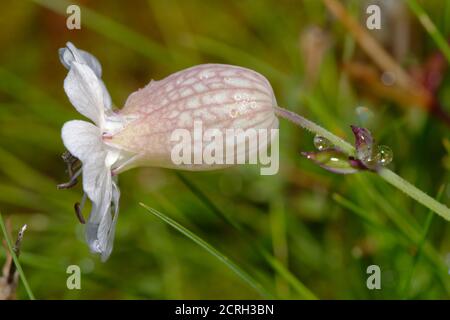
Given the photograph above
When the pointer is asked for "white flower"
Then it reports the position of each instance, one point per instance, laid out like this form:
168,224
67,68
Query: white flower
85,141
221,97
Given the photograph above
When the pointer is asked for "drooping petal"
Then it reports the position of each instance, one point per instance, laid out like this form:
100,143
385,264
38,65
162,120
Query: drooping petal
96,177
100,228
101,206
107,226
85,92
102,191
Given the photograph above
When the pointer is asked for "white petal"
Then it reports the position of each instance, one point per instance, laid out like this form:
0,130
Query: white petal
99,193
97,184
97,179
107,101
101,225
107,230
85,92
83,140
71,53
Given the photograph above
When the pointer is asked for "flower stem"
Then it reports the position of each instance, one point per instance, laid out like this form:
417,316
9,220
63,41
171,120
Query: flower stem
384,173
315,128
415,193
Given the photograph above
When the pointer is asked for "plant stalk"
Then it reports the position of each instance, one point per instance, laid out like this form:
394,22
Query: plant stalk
388,175
16,260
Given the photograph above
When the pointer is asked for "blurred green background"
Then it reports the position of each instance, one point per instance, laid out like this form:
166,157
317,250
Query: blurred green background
302,233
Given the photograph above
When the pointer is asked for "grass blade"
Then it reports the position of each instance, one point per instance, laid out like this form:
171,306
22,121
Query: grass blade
418,254
16,260
301,289
278,267
202,243
111,29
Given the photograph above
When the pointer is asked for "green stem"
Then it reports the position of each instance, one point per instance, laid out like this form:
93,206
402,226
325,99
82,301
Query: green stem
384,173
415,193
16,260
315,128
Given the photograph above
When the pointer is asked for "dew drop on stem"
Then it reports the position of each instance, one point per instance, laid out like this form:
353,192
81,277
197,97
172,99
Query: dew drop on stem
322,143
383,155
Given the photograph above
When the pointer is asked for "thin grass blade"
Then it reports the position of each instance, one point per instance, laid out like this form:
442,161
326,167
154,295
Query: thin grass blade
205,245
16,260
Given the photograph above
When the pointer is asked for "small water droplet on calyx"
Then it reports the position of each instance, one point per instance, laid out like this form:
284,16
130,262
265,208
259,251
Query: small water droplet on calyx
322,143
383,155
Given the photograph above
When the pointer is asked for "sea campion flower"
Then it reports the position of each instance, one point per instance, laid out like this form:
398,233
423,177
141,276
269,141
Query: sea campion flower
221,96
85,141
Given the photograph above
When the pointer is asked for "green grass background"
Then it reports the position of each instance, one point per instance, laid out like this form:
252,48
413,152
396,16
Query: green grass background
302,233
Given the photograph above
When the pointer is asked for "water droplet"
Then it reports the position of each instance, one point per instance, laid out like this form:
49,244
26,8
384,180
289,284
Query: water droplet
322,143
364,114
237,97
383,155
